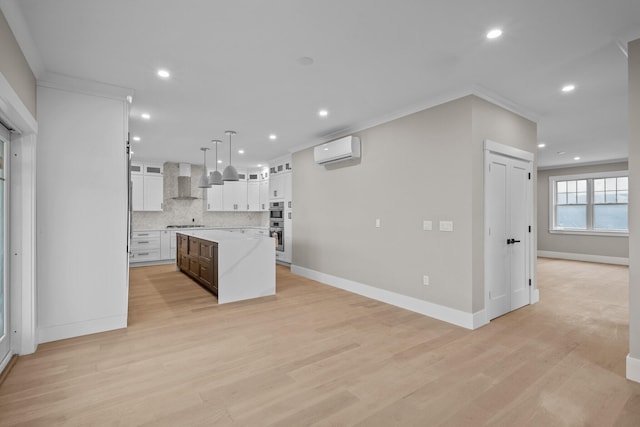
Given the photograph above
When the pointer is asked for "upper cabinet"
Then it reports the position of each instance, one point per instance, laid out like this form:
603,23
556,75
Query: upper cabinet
280,180
147,187
245,195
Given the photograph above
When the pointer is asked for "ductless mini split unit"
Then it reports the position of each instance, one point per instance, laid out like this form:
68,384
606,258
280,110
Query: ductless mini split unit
340,150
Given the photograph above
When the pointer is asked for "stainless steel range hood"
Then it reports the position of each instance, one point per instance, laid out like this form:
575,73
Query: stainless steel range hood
184,182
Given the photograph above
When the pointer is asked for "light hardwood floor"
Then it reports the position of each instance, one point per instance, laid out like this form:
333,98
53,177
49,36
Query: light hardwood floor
315,355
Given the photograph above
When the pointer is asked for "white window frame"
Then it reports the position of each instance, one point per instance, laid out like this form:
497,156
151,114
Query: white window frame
587,176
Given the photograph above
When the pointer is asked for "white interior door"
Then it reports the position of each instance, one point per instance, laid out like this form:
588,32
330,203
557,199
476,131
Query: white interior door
508,190
518,206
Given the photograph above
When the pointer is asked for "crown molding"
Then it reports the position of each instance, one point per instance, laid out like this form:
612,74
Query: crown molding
89,87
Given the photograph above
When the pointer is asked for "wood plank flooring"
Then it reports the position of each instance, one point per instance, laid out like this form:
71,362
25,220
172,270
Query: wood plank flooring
315,355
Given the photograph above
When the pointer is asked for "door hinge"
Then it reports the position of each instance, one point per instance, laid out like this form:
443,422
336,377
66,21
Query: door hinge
529,229
529,282
529,175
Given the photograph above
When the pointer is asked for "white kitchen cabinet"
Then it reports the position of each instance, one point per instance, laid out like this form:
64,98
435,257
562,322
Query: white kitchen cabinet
264,195
165,245
234,196
280,187
147,187
145,246
153,193
276,186
215,198
287,184
279,178
137,168
250,193
253,196
137,192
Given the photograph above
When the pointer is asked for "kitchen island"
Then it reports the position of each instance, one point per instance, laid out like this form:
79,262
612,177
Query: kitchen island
233,266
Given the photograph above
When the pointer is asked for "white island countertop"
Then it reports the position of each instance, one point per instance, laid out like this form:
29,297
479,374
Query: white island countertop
246,264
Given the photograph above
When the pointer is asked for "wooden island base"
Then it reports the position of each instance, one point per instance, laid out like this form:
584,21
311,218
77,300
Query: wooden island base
233,266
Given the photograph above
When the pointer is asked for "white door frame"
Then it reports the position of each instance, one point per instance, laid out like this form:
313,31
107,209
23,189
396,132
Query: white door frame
22,214
516,153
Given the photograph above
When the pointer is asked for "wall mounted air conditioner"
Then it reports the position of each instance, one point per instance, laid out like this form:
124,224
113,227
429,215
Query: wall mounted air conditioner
342,149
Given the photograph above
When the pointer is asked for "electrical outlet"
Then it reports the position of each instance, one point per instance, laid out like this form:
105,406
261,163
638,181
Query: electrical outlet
425,280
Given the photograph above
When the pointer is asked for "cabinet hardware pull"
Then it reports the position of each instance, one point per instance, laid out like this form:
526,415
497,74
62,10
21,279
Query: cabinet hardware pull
143,234
143,242
142,254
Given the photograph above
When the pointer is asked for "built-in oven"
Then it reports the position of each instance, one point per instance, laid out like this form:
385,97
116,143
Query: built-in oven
276,210
276,230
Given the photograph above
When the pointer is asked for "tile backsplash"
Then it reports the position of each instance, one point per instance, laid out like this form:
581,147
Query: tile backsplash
185,212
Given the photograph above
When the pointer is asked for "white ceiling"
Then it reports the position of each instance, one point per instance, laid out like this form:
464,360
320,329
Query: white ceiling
235,65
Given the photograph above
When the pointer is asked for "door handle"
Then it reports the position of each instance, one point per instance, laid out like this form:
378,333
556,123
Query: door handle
512,241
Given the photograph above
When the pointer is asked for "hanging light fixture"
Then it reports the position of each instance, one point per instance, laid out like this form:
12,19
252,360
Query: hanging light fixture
215,178
204,181
230,173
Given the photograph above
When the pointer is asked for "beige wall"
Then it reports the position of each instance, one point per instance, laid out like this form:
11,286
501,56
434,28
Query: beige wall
634,198
611,246
14,67
425,166
502,126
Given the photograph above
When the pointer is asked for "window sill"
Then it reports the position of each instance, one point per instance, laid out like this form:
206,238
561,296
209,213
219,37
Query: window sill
592,233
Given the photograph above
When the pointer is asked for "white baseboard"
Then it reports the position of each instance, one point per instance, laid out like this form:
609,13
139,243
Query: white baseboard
61,332
535,296
584,257
440,312
5,361
633,369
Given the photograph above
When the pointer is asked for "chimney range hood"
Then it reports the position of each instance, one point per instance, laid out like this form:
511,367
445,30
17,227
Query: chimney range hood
184,182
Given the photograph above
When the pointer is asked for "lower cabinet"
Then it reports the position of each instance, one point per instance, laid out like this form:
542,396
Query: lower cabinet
199,259
145,246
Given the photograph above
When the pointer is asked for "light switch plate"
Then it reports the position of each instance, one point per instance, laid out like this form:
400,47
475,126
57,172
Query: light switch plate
377,222
446,225
427,225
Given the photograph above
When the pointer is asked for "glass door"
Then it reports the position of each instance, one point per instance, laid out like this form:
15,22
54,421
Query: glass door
5,337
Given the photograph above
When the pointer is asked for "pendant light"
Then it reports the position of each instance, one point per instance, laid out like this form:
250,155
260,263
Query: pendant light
230,173
215,178
204,181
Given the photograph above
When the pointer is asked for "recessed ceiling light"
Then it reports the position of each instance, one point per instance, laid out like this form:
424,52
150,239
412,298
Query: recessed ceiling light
494,34
164,74
240,151
542,145
273,137
305,60
136,138
568,88
219,161
576,158
323,113
145,116
260,165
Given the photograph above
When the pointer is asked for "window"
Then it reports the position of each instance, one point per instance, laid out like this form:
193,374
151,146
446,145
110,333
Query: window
590,203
